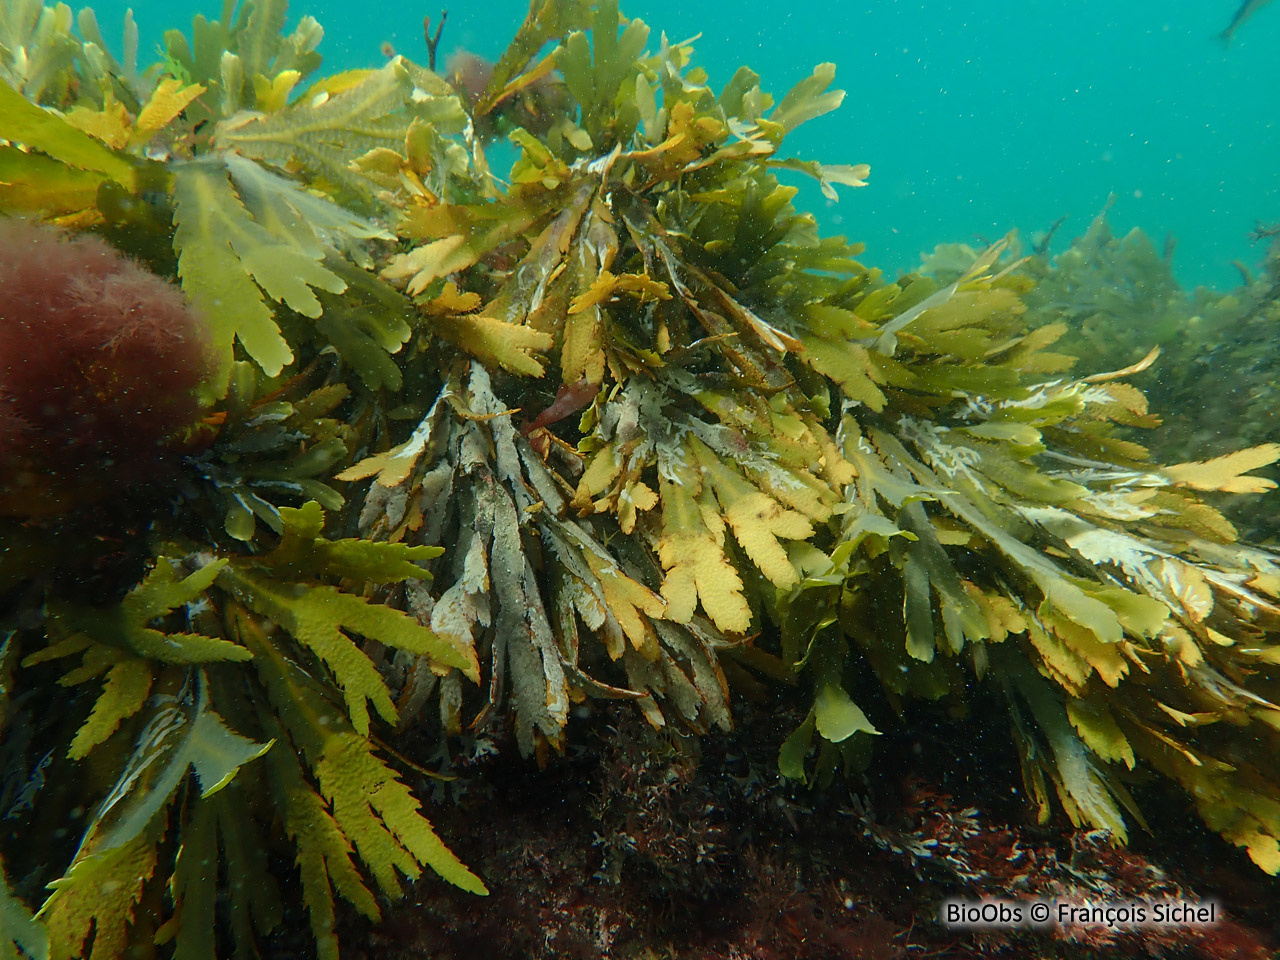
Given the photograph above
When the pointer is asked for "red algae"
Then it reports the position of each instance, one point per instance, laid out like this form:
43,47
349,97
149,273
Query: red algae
99,364
536,108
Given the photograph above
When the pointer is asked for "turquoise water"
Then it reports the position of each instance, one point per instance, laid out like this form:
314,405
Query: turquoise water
975,119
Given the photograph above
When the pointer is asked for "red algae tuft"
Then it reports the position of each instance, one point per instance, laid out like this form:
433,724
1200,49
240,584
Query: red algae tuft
99,364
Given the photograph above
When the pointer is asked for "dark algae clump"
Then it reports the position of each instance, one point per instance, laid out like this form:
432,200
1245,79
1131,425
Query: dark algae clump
573,532
100,363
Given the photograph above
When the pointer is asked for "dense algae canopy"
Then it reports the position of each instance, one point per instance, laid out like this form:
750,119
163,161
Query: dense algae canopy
619,423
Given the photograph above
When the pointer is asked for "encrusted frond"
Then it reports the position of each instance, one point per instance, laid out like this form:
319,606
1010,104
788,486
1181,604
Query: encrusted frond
515,602
761,472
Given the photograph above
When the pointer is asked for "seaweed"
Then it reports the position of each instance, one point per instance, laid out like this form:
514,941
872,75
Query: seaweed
1213,384
101,365
475,452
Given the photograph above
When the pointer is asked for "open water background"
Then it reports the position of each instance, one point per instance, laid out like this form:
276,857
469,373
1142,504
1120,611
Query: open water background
974,118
